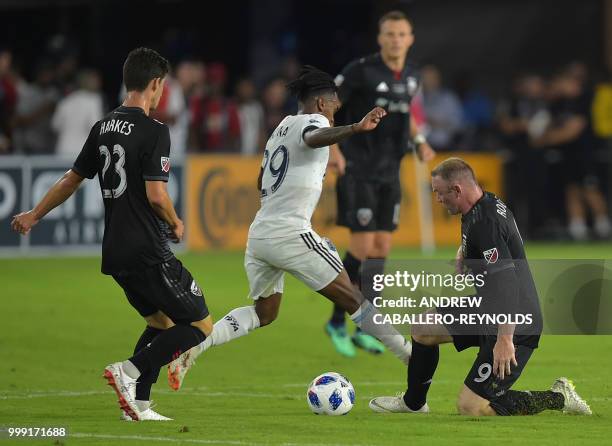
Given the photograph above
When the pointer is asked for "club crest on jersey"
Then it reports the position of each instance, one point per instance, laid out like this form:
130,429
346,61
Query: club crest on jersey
364,216
165,164
195,289
412,85
491,255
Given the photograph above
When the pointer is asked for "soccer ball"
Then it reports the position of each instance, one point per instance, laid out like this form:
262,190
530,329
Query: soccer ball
330,394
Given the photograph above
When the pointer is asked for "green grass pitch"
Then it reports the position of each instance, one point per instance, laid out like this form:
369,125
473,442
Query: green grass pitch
62,322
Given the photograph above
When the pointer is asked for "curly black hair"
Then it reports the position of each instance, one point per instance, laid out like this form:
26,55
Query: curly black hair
311,81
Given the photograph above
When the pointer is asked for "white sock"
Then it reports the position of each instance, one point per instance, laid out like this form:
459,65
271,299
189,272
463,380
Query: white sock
578,229
237,323
130,369
143,405
603,226
387,334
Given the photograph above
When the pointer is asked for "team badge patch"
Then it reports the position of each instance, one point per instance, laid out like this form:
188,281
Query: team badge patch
491,255
329,244
165,164
195,289
364,216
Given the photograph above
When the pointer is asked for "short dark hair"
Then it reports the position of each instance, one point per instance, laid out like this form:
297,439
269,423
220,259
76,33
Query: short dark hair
453,168
393,15
311,81
141,66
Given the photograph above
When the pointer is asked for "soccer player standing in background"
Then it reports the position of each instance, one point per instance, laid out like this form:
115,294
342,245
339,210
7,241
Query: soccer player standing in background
368,188
130,153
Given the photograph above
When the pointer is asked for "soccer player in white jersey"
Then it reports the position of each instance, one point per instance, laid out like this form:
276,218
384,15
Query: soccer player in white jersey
281,238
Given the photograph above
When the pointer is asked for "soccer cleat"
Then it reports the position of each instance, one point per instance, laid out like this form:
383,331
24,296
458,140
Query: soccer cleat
124,387
342,343
146,415
178,368
368,342
394,404
574,404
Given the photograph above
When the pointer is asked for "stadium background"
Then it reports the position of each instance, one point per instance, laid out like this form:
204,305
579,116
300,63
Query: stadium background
63,321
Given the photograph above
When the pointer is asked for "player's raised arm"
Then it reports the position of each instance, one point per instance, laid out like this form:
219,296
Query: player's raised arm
59,192
321,137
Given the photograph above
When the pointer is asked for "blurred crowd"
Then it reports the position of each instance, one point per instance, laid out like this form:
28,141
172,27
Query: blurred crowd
553,131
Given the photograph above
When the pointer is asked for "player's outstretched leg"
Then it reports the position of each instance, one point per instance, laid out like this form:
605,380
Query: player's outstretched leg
237,323
336,326
342,292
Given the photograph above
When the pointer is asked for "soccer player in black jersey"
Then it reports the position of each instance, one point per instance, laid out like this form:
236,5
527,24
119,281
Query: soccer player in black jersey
130,153
491,245
368,165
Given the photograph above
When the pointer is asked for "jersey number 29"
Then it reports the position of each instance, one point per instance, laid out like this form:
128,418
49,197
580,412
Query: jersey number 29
278,164
120,189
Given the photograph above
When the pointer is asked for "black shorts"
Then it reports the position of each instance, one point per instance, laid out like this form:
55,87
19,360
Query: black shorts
166,287
365,206
480,378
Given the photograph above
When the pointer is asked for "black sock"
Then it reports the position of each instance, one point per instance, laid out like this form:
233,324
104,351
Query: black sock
374,266
166,347
515,402
148,378
352,266
421,368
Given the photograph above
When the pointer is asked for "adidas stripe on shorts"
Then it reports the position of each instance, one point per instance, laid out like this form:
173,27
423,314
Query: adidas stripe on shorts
308,257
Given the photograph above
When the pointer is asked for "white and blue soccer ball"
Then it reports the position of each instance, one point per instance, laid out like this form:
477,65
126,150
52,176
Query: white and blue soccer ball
330,394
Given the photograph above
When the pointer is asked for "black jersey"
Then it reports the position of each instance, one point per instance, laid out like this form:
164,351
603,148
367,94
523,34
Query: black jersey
362,85
125,149
492,244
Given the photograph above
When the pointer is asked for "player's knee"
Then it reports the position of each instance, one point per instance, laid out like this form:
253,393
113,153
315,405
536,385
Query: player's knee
424,339
205,325
472,408
160,321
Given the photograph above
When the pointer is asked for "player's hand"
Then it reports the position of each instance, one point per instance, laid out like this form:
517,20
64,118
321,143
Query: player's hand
23,222
178,231
371,120
503,356
459,261
425,152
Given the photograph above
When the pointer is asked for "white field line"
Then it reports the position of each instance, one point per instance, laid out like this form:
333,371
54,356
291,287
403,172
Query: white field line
196,441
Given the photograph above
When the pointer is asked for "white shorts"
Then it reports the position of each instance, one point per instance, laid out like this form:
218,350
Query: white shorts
308,257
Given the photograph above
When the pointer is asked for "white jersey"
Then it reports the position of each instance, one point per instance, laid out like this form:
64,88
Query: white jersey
292,179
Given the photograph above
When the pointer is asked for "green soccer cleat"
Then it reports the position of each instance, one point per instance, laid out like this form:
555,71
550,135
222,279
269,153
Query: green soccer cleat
368,343
342,343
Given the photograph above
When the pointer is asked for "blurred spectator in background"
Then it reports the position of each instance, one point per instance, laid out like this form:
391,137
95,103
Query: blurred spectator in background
478,113
35,105
8,99
251,116
570,133
522,116
215,125
77,113
275,105
443,111
172,111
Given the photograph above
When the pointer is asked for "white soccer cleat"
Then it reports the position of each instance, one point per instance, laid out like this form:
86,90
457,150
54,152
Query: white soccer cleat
146,415
574,404
178,368
124,387
394,404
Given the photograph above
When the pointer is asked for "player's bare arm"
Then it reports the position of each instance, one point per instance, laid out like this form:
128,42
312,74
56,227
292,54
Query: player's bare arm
330,135
424,151
160,201
337,161
59,192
